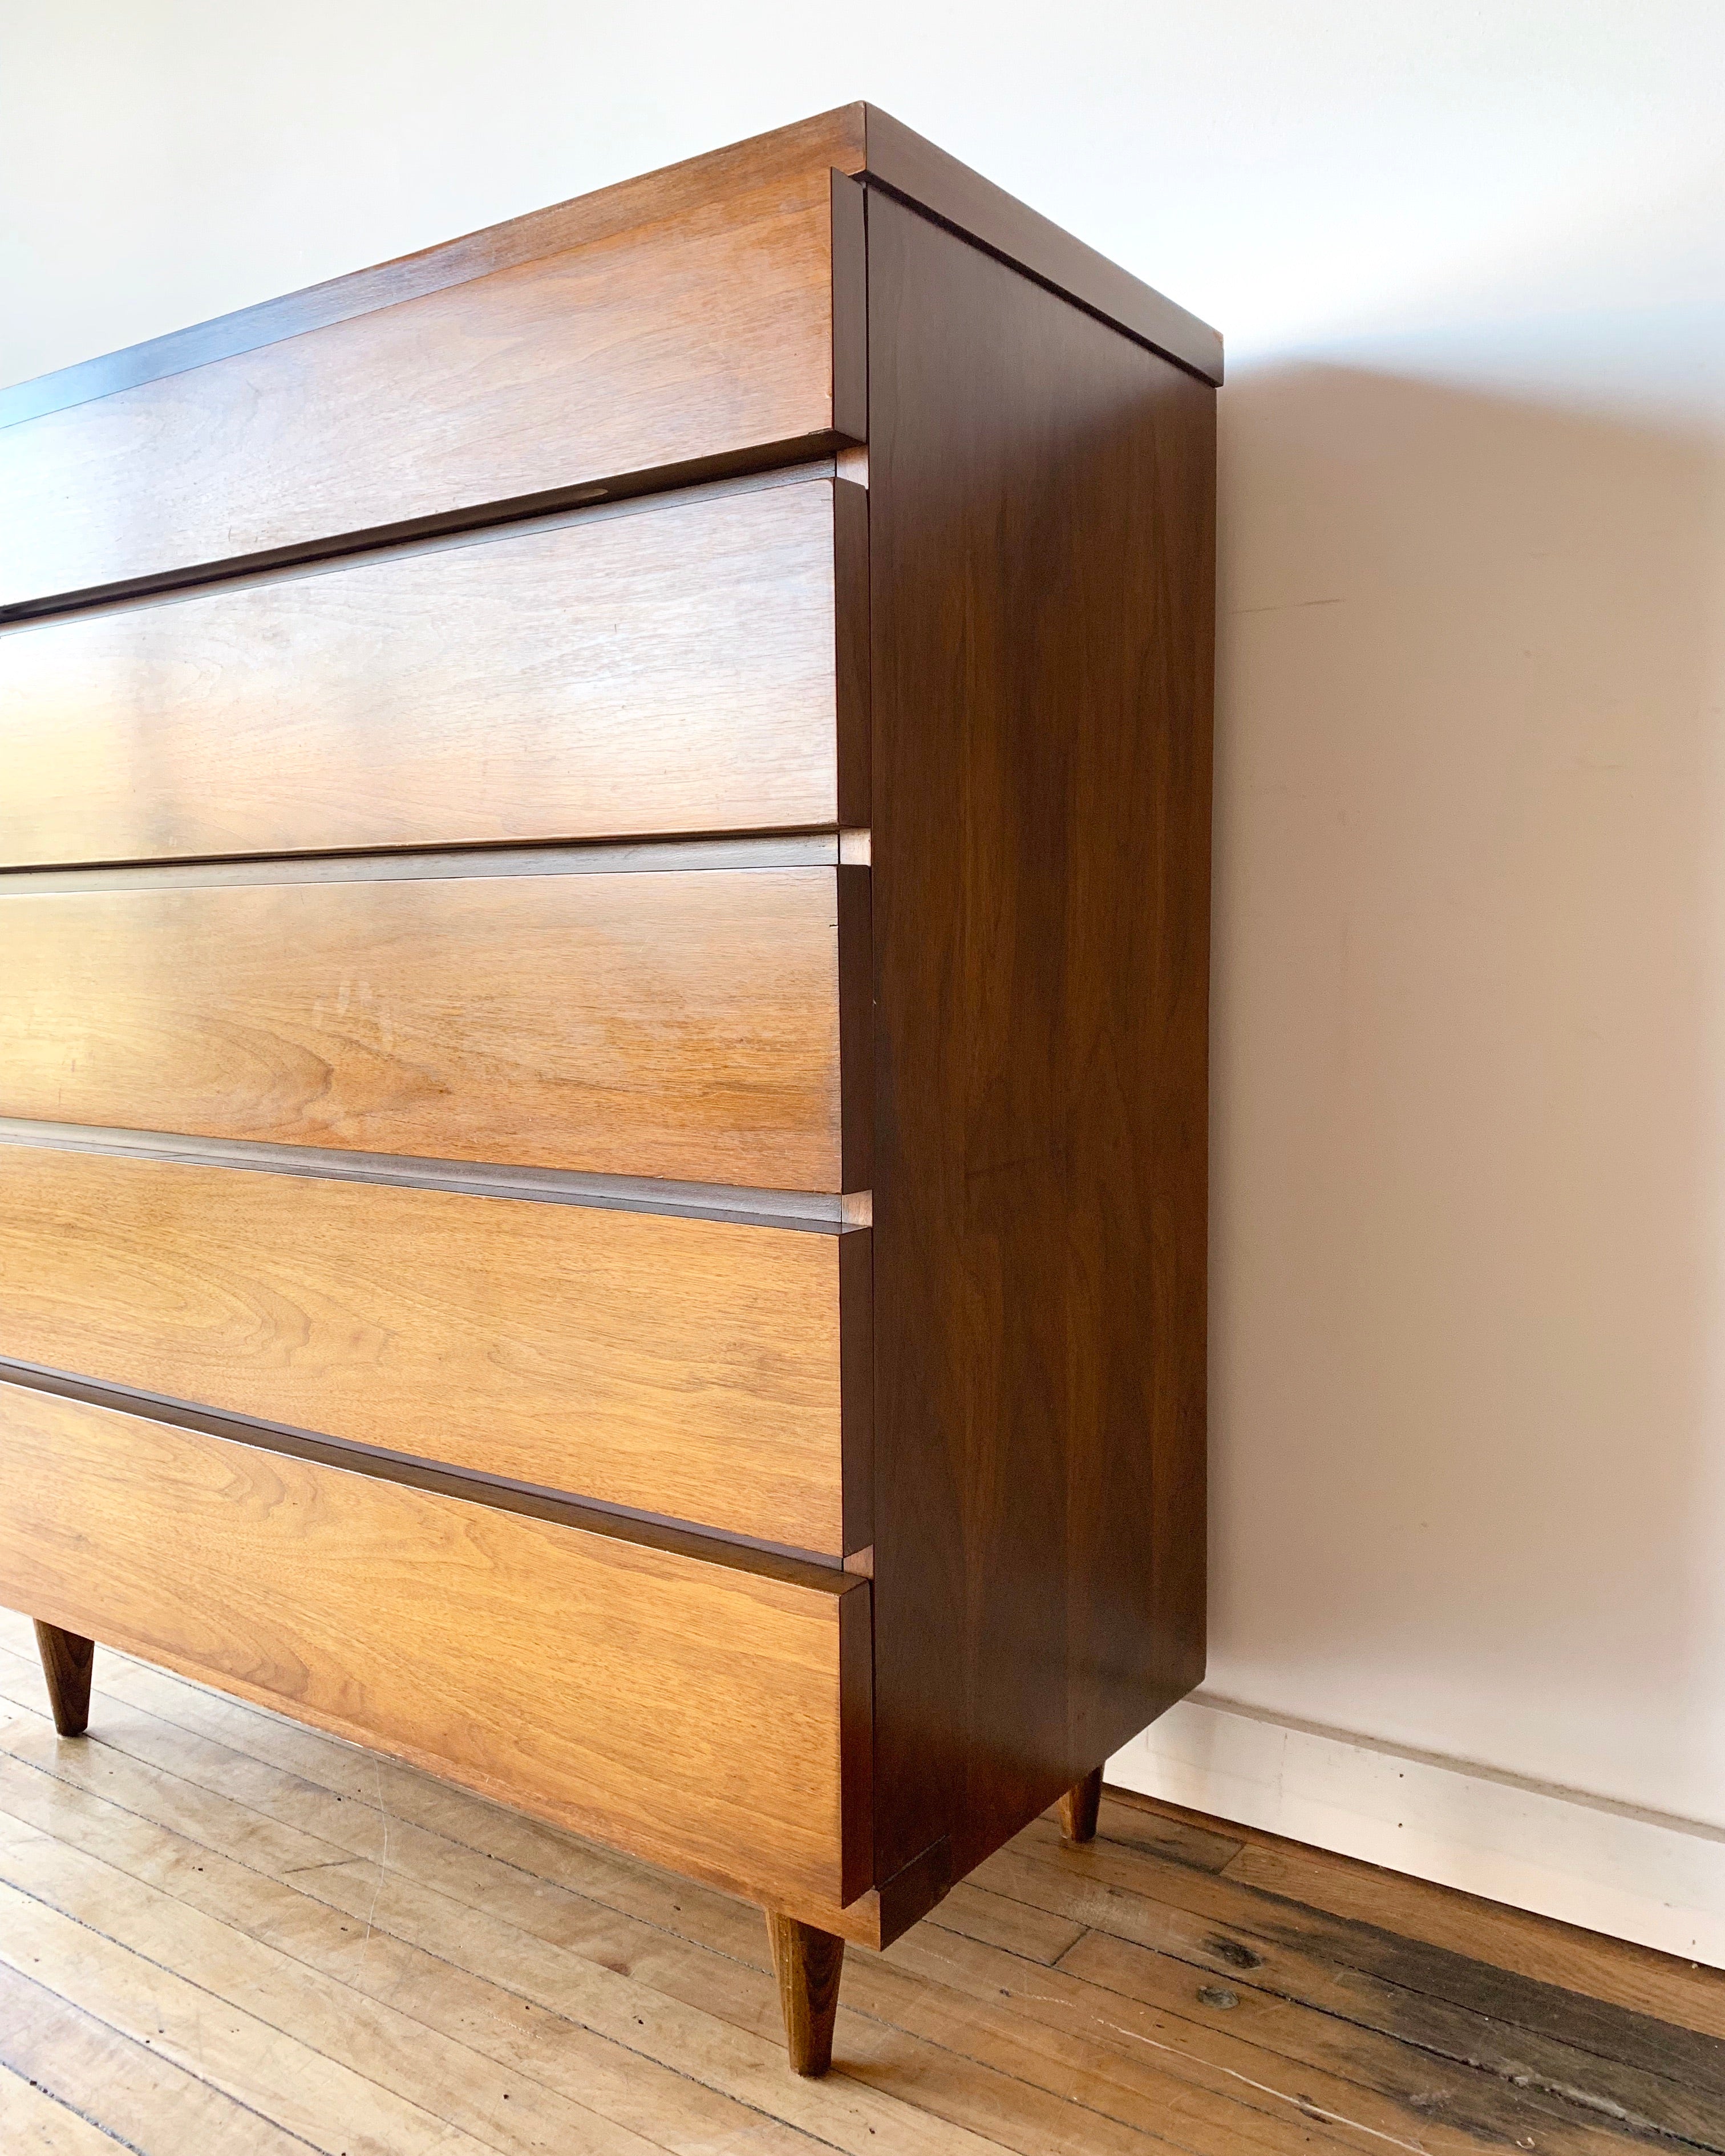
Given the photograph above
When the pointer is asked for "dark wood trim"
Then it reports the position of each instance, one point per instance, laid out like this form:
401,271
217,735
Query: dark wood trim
765,456
836,136
856,1740
857,1031
875,1918
815,1212
851,310
927,177
68,1660
1079,1806
808,1964
912,1891
850,626
795,1568
856,1387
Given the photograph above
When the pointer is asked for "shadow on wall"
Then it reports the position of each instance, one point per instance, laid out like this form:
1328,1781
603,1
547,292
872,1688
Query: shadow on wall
1469,1322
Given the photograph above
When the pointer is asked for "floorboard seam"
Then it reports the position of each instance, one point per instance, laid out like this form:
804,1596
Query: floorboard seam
1547,2091
663,1931
1535,2085
66,2103
224,2096
1604,2106
550,2013
179,1976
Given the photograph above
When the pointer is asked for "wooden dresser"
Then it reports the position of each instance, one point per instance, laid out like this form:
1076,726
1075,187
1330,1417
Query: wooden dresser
604,883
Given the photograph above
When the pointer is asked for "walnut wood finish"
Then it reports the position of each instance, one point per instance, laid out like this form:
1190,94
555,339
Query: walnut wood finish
502,1651
922,173
661,669
691,1368
682,1025
808,1963
681,319
1080,1807
861,139
1041,883
68,1662
857,139
992,1040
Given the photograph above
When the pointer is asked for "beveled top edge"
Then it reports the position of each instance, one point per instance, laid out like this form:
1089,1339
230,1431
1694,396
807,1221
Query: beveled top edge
857,138
829,141
910,166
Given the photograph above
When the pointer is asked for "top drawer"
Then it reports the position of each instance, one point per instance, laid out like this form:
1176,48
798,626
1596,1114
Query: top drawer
680,318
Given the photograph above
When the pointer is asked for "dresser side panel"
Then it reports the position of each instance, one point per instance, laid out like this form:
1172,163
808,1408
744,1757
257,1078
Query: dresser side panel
1042,560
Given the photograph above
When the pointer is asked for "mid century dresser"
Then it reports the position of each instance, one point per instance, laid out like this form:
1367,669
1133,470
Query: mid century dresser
604,880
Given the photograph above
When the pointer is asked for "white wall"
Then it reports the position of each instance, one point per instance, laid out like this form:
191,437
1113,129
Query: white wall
1469,1361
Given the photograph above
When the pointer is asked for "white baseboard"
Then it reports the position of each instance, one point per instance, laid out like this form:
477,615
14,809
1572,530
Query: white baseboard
1634,1874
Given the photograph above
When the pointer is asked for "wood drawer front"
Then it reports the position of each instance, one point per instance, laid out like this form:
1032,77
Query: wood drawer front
675,1024
691,1368
659,672
695,1713
664,324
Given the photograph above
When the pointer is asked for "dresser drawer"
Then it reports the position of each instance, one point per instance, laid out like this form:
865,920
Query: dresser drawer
677,1023
683,318
704,1715
697,667
697,1369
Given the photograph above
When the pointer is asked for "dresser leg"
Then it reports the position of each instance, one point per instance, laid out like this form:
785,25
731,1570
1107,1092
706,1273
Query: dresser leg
807,1964
67,1660
1079,1808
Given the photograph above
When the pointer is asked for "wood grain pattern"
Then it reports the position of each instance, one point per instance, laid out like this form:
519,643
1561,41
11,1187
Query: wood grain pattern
834,138
857,139
957,2033
654,671
42,2124
691,1368
1079,1808
684,317
1041,889
1500,2050
689,1712
1638,1978
925,174
682,1025
68,1662
808,1964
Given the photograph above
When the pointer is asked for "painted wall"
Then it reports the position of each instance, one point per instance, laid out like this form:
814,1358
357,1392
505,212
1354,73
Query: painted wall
1469,1276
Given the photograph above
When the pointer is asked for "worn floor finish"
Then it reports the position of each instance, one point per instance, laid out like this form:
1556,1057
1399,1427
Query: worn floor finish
221,1934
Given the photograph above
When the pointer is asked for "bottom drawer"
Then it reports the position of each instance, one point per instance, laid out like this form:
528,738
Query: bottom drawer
711,1716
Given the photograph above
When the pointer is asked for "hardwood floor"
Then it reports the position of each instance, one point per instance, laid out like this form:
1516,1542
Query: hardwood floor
222,1933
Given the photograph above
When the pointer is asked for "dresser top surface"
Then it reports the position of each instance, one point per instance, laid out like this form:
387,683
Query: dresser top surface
858,139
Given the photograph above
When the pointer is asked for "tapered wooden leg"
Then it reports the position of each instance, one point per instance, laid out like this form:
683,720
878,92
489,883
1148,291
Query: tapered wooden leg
67,1660
1079,1808
807,1964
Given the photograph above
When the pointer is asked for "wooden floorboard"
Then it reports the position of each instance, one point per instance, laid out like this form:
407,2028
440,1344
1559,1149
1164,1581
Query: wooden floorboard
1532,2032
222,1932
33,2121
1687,1993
